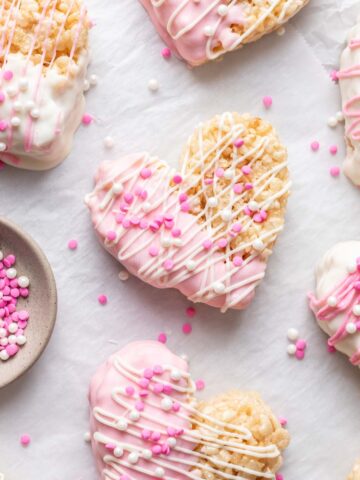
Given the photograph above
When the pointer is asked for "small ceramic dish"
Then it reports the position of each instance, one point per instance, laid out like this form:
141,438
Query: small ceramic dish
41,303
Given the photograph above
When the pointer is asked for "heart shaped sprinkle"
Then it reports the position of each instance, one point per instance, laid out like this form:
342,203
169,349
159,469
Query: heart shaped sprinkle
146,422
198,31
206,229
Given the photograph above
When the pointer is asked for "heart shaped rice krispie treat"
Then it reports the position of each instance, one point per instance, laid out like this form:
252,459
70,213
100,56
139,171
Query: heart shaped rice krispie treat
355,474
349,81
202,30
43,59
206,229
336,302
146,422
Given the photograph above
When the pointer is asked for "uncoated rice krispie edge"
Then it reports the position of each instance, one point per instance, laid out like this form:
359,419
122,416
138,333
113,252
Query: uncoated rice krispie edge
206,229
202,31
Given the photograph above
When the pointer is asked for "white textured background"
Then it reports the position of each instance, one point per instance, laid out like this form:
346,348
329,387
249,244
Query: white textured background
320,396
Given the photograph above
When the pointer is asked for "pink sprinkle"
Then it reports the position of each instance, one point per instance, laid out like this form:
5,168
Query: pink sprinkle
238,188
25,440
158,388
155,436
171,431
200,384
156,449
249,186
278,476
283,421
148,373
128,197
222,243
190,312
331,349
87,119
145,173
110,446
177,179
158,370
207,244
144,383
357,286
168,264
187,328
176,407
315,146
334,171
111,235
139,405
185,206
3,125
162,338
130,390
12,349
168,389
333,149
183,197
300,354
208,181
237,227
267,101
237,261
334,76
239,143
2,97
219,172
166,53
153,251
8,75
72,244
176,232
301,344
246,169
102,299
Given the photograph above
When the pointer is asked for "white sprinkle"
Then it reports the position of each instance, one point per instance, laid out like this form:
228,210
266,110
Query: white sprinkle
291,349
2,332
4,342
12,91
17,106
23,84
124,275
29,105
117,188
332,122
147,454
21,340
23,281
332,301
122,424
166,242
15,121
133,457
146,206
87,437
340,117
218,287
175,375
166,403
118,452
253,205
134,415
93,80
4,355
209,31
171,442
293,334
1,255
356,310
109,142
281,31
229,174
11,273
86,85
212,202
35,113
222,10
190,265
2,147
159,472
177,242
12,339
153,85
258,244
226,215
12,327
351,328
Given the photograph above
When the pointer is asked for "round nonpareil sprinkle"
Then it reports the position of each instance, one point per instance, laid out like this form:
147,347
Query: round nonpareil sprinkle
334,171
267,101
333,149
166,52
187,328
87,119
25,440
200,384
72,244
315,145
162,338
190,312
102,299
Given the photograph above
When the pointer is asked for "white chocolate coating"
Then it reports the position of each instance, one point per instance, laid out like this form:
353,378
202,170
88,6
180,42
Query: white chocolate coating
331,271
349,81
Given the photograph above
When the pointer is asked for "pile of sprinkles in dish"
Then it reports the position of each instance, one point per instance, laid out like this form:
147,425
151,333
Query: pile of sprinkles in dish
13,321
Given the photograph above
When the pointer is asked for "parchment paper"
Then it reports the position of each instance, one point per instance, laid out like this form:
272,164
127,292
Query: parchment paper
319,396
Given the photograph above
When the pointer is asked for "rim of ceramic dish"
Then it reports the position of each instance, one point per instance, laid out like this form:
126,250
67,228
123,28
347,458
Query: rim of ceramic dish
43,263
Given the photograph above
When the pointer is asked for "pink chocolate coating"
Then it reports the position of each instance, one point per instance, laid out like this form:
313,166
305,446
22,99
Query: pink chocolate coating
134,244
140,355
